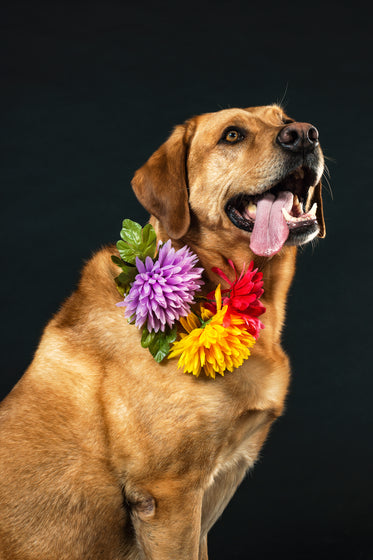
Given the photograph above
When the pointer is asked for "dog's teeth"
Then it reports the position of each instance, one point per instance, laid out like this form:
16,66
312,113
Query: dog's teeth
297,205
312,212
304,217
287,216
251,209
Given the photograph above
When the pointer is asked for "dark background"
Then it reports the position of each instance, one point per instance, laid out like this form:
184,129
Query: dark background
88,91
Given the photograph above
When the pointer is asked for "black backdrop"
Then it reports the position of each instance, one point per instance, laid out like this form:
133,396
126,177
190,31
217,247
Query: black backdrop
89,90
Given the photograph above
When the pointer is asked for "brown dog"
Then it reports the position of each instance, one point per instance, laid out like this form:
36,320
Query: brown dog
103,452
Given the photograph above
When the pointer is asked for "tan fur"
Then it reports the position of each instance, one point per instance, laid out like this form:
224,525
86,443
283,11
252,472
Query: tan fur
103,452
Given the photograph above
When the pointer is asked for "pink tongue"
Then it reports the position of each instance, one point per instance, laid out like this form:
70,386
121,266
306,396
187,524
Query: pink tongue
270,229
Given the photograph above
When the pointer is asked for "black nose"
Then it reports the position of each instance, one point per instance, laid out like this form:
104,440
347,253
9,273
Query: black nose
298,137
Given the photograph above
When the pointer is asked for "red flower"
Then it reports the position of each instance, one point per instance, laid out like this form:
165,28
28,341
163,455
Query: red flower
242,297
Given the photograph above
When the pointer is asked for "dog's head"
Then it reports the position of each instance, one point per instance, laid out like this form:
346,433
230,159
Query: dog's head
253,171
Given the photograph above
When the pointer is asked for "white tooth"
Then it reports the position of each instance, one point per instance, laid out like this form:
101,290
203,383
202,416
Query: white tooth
297,204
287,216
312,212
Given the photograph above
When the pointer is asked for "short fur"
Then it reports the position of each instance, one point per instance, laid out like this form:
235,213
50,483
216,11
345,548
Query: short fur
103,452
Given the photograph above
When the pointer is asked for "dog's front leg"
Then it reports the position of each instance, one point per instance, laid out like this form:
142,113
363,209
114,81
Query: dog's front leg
167,521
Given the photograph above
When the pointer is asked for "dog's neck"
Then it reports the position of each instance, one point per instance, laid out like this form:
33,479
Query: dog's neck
214,250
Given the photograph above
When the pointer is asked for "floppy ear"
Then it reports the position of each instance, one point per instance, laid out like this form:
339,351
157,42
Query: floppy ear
161,184
316,197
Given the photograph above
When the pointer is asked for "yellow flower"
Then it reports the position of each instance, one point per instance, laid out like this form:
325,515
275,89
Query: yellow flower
211,346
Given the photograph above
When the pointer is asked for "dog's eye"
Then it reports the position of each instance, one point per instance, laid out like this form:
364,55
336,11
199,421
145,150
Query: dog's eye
232,135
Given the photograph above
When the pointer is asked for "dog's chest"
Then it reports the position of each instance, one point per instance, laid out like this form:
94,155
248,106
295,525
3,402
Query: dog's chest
203,426
231,463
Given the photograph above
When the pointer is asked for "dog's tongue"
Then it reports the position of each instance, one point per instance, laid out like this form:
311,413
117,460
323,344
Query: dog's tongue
270,229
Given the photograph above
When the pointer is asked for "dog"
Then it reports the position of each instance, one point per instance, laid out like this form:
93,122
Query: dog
105,453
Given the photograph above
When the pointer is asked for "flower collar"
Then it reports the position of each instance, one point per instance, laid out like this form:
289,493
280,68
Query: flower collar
160,284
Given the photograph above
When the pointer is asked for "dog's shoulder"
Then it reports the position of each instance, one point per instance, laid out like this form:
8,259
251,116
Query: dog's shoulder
89,319
96,290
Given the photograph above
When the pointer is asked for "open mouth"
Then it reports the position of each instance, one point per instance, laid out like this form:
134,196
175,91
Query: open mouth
279,215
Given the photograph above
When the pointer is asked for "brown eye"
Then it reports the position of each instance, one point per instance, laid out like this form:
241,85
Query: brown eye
232,136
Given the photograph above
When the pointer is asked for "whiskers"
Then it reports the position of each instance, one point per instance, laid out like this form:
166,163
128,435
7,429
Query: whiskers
281,103
326,177
314,242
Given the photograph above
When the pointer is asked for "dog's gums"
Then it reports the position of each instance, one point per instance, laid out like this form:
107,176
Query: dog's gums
279,215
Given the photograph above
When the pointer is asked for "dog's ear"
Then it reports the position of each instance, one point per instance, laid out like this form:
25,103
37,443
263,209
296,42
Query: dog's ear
161,184
317,197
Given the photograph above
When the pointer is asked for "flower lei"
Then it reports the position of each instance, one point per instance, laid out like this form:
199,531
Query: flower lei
159,286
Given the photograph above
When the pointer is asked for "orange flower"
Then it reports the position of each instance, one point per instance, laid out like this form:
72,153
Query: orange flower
211,346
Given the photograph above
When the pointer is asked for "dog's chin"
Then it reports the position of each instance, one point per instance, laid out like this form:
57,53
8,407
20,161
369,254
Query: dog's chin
300,219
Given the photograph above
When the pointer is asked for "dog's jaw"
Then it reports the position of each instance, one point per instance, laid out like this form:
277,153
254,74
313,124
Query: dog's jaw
283,213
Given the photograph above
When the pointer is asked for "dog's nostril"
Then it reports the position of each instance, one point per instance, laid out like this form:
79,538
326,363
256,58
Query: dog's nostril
313,134
289,136
298,137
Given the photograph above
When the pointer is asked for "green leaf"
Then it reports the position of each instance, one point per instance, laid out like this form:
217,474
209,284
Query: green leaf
128,275
149,241
159,347
171,335
131,233
136,242
147,337
125,279
126,252
116,260
120,288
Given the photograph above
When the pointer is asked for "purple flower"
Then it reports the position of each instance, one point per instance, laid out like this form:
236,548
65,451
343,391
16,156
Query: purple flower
163,290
